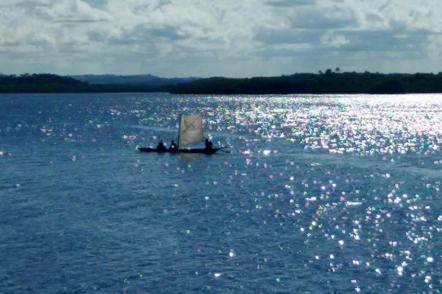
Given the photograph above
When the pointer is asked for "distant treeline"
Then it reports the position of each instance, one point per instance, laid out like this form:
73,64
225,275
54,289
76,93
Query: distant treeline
329,82
322,83
147,79
49,83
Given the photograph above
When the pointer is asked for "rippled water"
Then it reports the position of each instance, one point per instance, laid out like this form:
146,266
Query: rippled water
319,194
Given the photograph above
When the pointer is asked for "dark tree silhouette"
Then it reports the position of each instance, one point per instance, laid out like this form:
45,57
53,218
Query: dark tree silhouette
328,83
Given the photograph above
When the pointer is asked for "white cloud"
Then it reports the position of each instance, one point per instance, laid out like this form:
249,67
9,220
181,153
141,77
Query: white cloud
226,37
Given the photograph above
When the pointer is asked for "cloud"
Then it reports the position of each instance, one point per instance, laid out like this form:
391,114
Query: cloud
287,36
229,37
290,3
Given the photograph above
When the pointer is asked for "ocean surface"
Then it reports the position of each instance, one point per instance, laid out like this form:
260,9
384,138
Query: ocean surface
319,194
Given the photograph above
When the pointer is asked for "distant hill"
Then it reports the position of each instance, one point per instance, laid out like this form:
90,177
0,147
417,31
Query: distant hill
131,80
324,83
49,83
37,83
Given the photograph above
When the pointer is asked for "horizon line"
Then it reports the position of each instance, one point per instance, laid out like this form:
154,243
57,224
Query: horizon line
329,70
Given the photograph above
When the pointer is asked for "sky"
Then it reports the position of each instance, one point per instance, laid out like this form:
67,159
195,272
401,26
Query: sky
234,38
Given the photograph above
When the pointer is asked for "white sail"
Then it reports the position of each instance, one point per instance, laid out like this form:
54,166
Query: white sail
191,129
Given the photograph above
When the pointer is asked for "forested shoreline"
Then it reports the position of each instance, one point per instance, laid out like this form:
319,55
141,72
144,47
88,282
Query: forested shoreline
323,83
329,82
49,83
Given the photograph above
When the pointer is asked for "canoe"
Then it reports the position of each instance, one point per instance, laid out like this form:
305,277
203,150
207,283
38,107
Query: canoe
194,150
190,132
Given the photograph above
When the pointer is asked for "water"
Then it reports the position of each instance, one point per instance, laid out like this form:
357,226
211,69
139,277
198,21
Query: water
319,194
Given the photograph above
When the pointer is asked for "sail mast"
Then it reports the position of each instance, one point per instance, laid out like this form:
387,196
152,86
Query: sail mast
179,131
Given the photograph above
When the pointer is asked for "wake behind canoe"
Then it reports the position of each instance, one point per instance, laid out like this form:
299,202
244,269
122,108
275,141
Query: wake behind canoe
194,150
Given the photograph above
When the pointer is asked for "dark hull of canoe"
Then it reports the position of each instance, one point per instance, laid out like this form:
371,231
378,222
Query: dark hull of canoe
196,150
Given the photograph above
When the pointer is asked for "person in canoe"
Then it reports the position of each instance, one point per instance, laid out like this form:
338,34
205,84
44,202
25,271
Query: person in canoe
208,143
173,146
161,146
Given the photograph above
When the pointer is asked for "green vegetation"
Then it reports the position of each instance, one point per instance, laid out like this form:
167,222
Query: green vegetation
27,83
328,82
323,83
48,83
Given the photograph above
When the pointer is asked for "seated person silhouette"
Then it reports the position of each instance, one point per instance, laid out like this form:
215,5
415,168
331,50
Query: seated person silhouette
173,146
161,146
208,143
